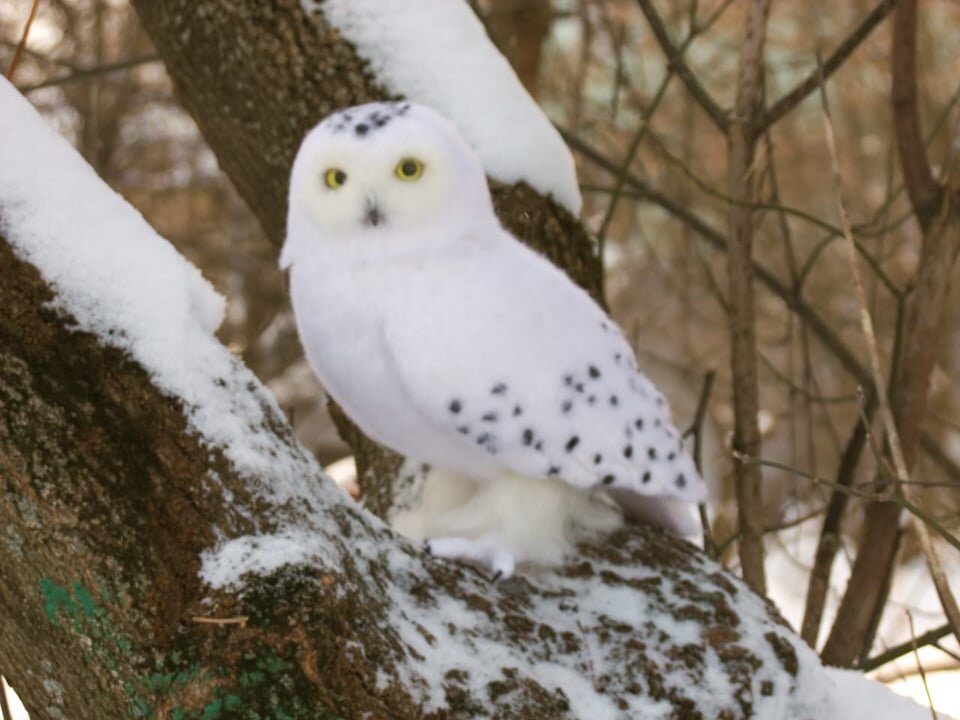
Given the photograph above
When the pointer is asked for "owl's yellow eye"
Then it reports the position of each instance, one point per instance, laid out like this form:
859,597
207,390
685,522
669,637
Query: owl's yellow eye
409,169
334,178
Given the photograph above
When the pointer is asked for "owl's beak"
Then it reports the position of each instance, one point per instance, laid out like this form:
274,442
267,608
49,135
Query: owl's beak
373,215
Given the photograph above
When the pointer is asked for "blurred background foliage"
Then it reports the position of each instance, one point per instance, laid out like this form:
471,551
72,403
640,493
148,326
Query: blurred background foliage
599,73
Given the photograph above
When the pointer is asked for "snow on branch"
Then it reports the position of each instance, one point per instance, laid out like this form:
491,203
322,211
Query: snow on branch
438,54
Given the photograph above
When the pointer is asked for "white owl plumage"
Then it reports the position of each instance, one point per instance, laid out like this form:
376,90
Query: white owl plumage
447,340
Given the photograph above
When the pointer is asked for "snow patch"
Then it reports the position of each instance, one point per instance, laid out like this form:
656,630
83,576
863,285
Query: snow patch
437,52
118,279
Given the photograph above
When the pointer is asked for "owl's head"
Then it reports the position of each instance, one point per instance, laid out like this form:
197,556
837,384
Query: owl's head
396,171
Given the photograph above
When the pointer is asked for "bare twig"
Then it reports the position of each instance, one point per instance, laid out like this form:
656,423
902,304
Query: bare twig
928,638
820,74
86,73
923,673
23,41
696,429
870,495
679,65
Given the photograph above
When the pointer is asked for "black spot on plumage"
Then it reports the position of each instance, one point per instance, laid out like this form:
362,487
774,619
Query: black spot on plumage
578,387
528,436
463,429
539,446
572,443
658,422
455,406
553,471
593,372
567,406
614,400
517,410
498,389
652,453
609,479
671,455
638,423
361,129
591,399
646,477
617,357
597,459
568,380
490,417
483,438
681,481
628,451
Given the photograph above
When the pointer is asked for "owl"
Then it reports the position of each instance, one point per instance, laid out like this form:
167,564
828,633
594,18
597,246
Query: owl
447,340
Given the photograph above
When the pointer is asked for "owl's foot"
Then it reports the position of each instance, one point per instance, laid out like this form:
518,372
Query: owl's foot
499,561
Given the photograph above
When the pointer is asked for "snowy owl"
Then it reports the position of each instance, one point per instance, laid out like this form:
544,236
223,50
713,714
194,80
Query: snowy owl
447,340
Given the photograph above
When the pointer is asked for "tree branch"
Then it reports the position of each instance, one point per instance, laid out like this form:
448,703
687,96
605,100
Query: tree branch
833,63
921,186
742,136
679,66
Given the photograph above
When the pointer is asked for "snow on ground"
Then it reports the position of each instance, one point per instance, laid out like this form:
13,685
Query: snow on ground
437,52
118,279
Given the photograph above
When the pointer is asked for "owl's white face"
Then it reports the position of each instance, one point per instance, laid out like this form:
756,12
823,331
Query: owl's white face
382,170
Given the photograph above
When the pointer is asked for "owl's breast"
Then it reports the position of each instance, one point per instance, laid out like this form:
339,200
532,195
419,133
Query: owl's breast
340,317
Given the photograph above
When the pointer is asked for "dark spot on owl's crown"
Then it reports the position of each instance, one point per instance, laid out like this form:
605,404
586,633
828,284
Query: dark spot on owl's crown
572,443
498,389
455,406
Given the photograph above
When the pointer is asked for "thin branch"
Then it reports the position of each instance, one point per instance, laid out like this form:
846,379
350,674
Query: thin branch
696,429
870,495
86,73
678,64
897,651
923,673
794,97
23,41
829,540
922,188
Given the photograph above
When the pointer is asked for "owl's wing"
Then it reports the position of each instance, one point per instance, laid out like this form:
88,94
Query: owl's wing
508,361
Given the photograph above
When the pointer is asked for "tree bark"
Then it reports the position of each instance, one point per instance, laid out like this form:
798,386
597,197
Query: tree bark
742,136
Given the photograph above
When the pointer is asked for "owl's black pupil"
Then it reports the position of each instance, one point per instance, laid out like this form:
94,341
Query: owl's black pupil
340,177
409,168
